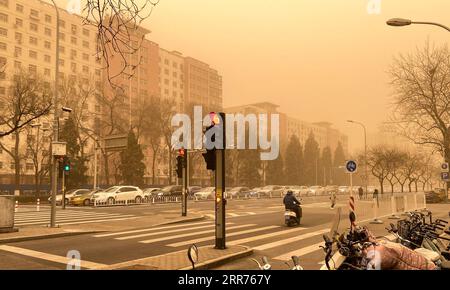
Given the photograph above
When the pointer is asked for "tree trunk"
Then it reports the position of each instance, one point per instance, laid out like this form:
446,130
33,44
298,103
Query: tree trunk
36,183
381,186
17,162
170,164
106,168
415,183
153,166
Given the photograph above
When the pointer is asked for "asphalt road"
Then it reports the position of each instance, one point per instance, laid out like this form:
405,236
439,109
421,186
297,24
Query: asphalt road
255,223
250,222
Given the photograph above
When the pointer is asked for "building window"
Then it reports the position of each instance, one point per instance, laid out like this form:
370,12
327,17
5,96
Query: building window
3,46
86,44
48,32
73,53
73,67
62,36
33,27
32,69
85,56
85,32
17,64
47,45
166,61
33,54
1,165
62,23
3,17
2,91
47,72
33,40
61,62
62,49
19,22
4,3
74,29
73,40
3,31
85,69
12,165
166,81
29,166
34,13
19,8
48,18
47,58
18,37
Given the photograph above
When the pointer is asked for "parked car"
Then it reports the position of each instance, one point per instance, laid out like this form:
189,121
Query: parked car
205,193
315,190
69,194
435,196
193,189
149,193
343,189
331,188
118,193
171,190
83,199
236,192
274,190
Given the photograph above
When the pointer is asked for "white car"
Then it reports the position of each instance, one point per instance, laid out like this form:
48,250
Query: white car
148,193
316,190
69,194
205,193
119,193
272,190
343,189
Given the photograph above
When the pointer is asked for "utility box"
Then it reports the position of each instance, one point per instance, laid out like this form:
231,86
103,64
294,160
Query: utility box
7,204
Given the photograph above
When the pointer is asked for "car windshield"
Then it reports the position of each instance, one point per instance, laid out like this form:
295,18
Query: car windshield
111,189
167,188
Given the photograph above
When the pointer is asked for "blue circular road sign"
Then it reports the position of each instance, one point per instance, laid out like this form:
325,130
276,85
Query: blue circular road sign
351,166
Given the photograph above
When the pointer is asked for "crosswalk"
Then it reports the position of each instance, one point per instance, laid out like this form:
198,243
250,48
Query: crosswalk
65,217
280,240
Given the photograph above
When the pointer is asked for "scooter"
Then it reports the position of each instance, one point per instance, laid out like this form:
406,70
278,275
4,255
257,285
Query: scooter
290,217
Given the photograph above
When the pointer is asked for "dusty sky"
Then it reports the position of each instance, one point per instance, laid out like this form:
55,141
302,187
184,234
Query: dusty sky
318,59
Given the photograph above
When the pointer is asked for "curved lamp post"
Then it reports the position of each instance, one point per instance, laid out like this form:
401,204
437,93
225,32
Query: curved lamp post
405,22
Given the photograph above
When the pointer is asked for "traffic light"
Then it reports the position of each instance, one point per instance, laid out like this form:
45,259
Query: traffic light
210,154
180,163
66,165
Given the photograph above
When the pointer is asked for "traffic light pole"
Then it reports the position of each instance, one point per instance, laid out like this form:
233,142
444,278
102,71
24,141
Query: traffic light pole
220,202
185,183
63,188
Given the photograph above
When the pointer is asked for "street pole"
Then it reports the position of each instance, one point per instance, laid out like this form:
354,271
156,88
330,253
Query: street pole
220,189
55,124
185,183
366,172
95,165
63,187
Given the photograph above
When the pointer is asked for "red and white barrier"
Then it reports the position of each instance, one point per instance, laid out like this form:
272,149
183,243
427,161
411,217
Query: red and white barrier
38,205
16,207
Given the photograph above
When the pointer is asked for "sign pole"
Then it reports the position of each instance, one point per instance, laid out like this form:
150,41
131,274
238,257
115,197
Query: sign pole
185,184
220,188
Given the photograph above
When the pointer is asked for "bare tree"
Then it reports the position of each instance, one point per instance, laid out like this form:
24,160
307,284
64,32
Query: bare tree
118,24
167,108
422,96
39,148
27,100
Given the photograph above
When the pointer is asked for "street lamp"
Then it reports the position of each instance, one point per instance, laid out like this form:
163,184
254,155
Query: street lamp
405,22
55,123
365,151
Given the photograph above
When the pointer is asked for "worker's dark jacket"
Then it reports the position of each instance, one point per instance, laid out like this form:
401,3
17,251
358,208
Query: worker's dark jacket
290,202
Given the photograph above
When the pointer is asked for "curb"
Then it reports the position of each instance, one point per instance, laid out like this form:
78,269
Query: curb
222,260
193,219
43,237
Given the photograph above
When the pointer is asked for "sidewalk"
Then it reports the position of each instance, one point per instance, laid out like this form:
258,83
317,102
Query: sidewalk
208,258
42,232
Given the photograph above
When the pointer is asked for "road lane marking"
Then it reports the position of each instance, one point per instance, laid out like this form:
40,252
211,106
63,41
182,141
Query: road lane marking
290,240
233,214
47,257
76,220
261,237
228,235
70,217
191,234
166,232
300,252
147,230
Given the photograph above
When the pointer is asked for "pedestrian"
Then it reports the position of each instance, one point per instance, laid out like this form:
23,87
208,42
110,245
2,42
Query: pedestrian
375,193
360,192
333,199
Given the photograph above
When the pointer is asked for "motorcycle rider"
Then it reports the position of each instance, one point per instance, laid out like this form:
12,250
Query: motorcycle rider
292,203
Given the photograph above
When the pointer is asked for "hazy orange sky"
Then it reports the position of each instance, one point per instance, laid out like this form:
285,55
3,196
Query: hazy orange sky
318,59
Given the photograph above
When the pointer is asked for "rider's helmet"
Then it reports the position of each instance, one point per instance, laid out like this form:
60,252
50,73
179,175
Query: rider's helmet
289,192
